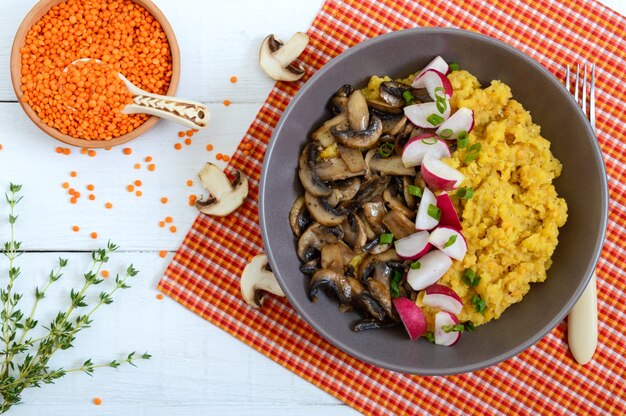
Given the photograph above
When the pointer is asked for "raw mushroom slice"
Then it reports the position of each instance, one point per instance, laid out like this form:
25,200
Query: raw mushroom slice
224,196
276,57
256,279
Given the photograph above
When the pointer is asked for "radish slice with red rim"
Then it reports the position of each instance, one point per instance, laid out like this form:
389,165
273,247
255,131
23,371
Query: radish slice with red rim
449,216
413,246
428,214
417,147
461,121
445,320
449,241
427,115
430,268
438,64
439,175
437,84
444,298
411,316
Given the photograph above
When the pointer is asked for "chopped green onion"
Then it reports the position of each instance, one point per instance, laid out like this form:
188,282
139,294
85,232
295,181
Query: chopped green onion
430,140
386,238
470,278
465,193
395,284
415,191
469,326
479,304
408,97
450,241
462,139
434,212
441,105
386,149
435,119
453,328
472,152
454,66
430,336
440,94
416,265
446,133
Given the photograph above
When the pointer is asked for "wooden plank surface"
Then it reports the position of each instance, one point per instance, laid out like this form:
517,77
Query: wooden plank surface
197,369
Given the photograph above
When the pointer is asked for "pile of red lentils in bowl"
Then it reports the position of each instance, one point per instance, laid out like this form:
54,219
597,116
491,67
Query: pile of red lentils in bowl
85,100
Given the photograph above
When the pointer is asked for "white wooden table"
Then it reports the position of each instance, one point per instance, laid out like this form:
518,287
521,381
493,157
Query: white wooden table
196,368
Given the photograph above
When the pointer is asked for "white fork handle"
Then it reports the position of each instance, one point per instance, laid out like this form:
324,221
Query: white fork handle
582,324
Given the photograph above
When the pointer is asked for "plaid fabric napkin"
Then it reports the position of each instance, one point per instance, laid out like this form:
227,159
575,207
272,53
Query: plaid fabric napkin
204,274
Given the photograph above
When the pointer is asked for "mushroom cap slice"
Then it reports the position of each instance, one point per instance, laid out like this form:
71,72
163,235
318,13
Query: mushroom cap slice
399,225
224,197
256,279
314,237
323,212
276,57
367,324
379,286
308,177
344,190
334,169
339,100
330,279
354,231
299,217
358,113
323,135
397,204
360,139
390,166
392,92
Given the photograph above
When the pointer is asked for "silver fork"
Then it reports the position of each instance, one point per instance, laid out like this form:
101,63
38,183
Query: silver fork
582,321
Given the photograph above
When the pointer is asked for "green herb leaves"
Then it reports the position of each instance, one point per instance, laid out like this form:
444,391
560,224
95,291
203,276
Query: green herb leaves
462,327
24,360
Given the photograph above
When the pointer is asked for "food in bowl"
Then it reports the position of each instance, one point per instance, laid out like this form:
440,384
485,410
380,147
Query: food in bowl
428,202
122,35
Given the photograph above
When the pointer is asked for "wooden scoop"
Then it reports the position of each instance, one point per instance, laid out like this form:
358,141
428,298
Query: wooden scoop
191,114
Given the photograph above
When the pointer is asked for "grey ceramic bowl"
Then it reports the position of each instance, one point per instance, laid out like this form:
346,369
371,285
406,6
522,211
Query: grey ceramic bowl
583,184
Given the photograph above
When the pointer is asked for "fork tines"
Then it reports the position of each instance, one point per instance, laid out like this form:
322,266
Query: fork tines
581,87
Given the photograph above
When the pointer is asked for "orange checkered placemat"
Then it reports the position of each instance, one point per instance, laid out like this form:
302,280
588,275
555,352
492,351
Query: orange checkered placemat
204,275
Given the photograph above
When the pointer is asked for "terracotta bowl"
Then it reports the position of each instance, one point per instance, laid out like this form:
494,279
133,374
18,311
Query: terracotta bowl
36,13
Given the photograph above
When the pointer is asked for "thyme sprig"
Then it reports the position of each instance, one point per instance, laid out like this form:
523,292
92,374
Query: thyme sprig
23,359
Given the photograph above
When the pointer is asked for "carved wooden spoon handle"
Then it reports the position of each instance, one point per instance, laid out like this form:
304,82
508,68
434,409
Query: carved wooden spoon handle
191,114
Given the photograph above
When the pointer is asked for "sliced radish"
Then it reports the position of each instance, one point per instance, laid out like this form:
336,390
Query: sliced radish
424,220
450,241
432,80
439,175
418,114
438,64
442,297
444,319
412,317
449,216
417,147
461,120
432,266
413,246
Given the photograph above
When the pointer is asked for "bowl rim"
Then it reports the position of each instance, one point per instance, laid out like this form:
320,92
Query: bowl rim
598,159
36,13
